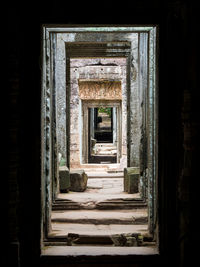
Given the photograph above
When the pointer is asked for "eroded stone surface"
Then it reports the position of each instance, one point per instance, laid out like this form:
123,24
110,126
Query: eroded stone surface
78,180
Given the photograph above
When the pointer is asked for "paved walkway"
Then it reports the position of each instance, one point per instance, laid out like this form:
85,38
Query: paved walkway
88,224
100,189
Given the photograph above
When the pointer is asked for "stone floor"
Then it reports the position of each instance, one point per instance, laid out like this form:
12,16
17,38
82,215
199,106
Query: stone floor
99,189
105,149
100,213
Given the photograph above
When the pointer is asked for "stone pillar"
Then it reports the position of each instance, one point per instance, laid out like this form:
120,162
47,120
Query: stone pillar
92,122
134,119
114,125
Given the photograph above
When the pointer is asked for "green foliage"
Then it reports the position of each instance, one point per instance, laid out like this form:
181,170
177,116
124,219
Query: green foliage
62,162
105,110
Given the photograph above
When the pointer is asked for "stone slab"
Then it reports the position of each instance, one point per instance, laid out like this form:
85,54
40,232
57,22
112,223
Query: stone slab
92,195
75,251
110,174
62,229
137,216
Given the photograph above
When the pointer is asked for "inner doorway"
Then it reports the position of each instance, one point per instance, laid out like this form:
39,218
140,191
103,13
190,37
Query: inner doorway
102,104
102,141
102,132
103,127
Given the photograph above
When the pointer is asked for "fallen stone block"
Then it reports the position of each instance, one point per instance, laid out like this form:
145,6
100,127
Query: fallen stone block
78,180
64,179
131,180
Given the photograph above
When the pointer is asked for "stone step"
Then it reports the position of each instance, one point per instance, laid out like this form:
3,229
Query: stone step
106,217
101,193
63,229
104,148
100,167
107,148
103,159
122,205
110,174
102,235
106,153
66,205
105,145
82,252
101,205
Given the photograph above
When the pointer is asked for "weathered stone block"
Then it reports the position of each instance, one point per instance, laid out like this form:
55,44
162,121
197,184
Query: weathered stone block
78,180
64,179
131,180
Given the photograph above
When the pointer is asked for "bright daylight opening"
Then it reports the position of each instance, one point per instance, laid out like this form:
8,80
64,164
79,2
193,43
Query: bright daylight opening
99,153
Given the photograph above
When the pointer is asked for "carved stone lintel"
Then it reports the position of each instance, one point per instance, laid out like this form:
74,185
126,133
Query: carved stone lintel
110,90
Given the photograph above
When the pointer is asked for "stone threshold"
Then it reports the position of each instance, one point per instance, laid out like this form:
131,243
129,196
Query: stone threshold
84,251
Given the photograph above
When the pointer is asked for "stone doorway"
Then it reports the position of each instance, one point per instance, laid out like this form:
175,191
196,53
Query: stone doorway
98,83
102,142
101,102
112,195
102,132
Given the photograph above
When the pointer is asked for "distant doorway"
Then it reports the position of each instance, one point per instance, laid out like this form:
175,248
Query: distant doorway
103,124
102,141
101,132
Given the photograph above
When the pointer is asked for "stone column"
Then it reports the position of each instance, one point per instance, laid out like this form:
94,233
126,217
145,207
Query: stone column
134,123
114,125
